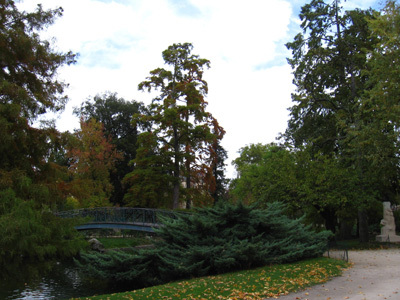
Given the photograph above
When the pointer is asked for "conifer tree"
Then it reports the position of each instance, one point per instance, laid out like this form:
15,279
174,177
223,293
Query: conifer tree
215,240
178,116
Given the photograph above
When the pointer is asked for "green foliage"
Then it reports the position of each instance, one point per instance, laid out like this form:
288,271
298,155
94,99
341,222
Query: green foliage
220,191
149,183
28,86
178,120
318,185
29,233
345,104
215,240
267,173
30,180
124,242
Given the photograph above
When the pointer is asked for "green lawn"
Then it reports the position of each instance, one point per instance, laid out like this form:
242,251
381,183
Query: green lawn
265,282
123,242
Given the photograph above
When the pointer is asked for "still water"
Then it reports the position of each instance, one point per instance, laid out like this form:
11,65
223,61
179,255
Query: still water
58,281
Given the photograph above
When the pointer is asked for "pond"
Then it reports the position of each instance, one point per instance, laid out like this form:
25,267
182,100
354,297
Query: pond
55,280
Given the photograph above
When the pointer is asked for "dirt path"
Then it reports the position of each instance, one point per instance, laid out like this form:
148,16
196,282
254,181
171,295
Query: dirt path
375,275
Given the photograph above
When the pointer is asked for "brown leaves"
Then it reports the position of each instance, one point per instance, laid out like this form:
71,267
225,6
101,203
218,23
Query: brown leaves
267,282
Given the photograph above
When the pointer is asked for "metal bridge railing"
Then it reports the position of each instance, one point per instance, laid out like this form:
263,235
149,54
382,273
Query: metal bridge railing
144,216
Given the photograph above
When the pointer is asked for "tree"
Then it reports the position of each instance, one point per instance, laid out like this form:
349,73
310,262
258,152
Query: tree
149,182
221,182
116,116
31,233
29,87
29,189
326,190
92,157
267,173
329,58
178,115
379,131
317,186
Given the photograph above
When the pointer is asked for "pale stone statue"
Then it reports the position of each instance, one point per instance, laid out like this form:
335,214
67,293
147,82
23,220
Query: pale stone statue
388,230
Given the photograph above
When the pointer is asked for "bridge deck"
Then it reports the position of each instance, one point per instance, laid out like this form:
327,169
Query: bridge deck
140,219
147,227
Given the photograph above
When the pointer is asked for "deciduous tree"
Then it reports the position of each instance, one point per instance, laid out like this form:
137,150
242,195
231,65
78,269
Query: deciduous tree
92,157
329,59
116,116
266,173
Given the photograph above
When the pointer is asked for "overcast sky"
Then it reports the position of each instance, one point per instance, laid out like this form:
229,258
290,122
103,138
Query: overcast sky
120,41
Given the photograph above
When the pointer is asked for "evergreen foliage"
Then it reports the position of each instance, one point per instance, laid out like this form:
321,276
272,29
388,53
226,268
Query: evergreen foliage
185,132
216,240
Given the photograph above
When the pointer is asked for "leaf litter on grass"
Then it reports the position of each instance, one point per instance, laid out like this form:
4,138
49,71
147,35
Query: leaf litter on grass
266,282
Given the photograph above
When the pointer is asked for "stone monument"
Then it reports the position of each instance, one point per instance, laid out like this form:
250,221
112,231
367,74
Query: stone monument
388,230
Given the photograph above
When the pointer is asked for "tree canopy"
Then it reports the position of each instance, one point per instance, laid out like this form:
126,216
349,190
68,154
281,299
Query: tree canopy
29,86
116,116
92,158
178,120
29,176
337,60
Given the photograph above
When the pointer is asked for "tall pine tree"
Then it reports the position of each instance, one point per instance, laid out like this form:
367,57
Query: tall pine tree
179,120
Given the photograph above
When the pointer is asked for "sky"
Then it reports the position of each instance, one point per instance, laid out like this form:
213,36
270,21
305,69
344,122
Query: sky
120,41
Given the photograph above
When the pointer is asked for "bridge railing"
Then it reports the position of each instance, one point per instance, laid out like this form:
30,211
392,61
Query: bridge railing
144,216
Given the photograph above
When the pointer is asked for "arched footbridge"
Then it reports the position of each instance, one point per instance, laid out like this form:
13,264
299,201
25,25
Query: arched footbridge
139,219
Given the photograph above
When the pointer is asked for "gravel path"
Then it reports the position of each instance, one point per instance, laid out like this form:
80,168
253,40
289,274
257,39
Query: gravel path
375,275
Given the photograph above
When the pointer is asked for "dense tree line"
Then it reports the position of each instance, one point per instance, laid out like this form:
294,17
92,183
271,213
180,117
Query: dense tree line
340,156
120,145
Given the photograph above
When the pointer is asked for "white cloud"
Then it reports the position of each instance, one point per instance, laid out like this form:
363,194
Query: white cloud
121,41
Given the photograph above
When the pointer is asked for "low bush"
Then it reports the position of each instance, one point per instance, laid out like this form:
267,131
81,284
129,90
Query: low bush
31,234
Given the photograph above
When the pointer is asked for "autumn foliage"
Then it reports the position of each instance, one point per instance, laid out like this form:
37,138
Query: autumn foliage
91,158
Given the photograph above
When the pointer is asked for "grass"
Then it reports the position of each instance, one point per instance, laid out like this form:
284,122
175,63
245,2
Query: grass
261,283
123,242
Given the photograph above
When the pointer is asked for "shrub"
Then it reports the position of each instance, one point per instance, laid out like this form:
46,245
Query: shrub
27,233
215,240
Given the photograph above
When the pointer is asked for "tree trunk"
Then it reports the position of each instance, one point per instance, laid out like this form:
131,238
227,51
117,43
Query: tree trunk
177,183
175,197
363,225
330,219
345,230
188,175
188,186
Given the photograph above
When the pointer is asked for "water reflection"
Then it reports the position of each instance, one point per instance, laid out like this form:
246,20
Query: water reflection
59,281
